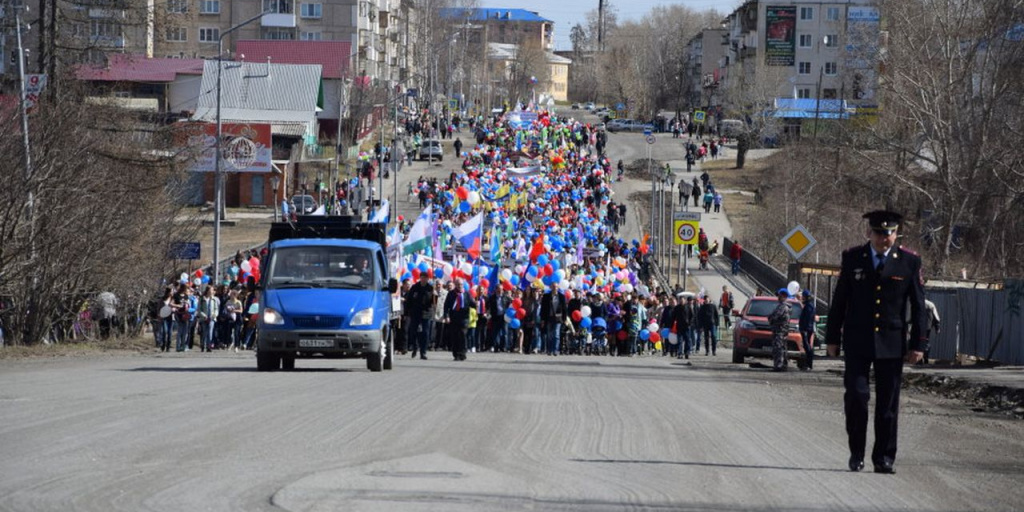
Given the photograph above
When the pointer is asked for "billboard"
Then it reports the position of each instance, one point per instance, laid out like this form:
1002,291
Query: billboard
862,50
780,35
245,147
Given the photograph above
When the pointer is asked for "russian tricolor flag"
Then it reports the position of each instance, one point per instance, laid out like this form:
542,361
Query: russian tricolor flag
470,234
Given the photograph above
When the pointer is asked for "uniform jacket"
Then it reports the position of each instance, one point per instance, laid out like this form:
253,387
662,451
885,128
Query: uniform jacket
869,310
683,317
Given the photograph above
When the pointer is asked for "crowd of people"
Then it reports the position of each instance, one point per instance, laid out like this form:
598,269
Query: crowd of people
546,271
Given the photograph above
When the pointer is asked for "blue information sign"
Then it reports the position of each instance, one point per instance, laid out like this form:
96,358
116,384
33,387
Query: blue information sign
184,251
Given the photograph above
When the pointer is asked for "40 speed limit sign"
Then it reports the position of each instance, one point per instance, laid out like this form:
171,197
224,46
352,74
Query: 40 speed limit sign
685,232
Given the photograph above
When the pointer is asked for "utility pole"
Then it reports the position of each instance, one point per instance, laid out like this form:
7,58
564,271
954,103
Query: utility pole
600,25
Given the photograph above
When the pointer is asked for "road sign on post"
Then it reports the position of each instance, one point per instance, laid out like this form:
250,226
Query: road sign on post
798,242
184,251
698,116
649,136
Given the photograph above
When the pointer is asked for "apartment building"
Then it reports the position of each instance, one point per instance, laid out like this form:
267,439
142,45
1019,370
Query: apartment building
803,50
379,30
706,59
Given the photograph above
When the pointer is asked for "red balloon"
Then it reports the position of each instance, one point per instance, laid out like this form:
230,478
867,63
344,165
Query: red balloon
416,274
517,303
655,337
577,316
520,313
199,273
548,269
505,285
621,336
485,283
472,292
462,192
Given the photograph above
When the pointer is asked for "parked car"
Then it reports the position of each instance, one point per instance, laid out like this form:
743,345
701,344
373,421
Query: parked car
752,335
638,126
617,125
590,106
303,205
731,127
431,149
575,106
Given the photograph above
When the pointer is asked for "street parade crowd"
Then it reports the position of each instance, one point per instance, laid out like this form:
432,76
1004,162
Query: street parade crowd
519,251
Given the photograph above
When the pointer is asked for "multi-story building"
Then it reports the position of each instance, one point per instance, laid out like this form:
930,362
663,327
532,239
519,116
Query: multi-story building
802,49
379,30
706,58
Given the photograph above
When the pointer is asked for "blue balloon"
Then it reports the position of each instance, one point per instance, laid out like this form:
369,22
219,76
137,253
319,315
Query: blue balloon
464,207
542,259
585,322
406,276
645,334
424,267
514,323
618,326
665,332
532,271
514,280
556,265
510,312
600,322
205,279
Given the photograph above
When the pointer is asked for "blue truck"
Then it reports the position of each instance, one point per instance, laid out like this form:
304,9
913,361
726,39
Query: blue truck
326,292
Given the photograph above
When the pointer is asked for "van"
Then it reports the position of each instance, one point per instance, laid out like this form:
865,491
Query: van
731,127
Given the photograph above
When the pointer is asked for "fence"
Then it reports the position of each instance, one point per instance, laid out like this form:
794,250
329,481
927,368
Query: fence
765,275
984,323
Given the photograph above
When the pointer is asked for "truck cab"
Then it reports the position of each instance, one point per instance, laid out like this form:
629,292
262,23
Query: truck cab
326,293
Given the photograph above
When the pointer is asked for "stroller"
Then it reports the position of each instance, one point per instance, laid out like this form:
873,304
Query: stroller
598,345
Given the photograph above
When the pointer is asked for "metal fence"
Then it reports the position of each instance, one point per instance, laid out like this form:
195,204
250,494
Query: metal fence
765,275
983,323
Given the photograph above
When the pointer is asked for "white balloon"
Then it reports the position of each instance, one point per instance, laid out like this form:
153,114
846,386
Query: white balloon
466,268
563,285
245,266
652,327
793,288
184,276
506,274
474,197
585,311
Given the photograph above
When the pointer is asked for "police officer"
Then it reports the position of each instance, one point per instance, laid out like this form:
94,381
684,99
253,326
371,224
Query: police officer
877,282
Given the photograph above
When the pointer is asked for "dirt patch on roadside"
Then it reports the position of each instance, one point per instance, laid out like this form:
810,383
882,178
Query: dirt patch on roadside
115,346
640,169
979,396
739,187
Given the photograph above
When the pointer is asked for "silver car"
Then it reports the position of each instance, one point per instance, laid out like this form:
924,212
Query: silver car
431,150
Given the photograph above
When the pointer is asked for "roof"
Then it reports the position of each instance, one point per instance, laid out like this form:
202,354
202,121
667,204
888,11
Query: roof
507,51
280,94
332,242
333,56
122,67
492,14
809,108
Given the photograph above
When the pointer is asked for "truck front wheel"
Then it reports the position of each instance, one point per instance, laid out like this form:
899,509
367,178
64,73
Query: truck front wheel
267,362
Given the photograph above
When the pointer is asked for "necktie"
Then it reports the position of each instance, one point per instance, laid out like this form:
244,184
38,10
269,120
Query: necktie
458,302
881,262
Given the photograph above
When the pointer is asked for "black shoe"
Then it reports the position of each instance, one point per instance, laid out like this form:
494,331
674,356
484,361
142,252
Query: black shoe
885,468
423,358
856,463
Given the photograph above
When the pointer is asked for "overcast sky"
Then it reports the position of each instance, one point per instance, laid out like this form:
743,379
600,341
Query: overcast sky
566,13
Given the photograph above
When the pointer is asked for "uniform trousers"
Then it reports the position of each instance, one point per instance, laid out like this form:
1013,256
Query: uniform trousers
888,376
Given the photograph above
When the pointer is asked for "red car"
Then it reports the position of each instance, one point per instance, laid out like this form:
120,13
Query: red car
752,335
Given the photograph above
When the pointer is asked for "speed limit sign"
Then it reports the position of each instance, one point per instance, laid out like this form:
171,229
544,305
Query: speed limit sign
686,232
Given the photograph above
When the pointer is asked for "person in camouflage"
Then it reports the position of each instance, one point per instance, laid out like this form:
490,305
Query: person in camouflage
779,320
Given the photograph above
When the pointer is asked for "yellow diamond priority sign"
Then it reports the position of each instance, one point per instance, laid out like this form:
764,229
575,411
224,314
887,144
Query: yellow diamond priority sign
798,241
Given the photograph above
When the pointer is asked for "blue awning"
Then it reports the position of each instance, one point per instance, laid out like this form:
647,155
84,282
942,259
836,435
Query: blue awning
807,108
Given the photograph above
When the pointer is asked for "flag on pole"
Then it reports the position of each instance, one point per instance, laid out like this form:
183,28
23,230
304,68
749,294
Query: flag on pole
381,215
419,236
495,245
470,234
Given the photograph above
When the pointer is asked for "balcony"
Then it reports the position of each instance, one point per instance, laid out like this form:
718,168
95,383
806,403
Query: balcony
108,41
279,20
98,12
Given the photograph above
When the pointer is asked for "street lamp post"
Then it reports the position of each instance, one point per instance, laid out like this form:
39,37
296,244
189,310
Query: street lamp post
218,175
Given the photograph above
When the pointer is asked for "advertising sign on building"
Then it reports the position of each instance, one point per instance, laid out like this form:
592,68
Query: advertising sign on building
780,35
244,147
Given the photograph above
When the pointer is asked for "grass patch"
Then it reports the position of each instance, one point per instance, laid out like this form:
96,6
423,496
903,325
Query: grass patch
121,346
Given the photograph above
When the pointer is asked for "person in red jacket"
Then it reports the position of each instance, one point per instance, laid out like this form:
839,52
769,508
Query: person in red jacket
735,253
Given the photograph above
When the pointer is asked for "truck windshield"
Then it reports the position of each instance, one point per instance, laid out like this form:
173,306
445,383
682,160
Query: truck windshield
765,308
322,267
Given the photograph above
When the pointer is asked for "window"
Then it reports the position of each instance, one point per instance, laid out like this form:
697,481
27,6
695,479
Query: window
832,13
177,6
311,10
278,6
209,35
312,36
830,68
803,93
279,34
805,40
209,6
177,34
804,68
807,13
829,94
832,41
103,28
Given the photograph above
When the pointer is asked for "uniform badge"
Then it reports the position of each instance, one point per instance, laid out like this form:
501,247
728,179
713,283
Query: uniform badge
858,274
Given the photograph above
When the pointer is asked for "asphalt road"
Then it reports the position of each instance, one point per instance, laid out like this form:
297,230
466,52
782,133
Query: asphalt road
194,432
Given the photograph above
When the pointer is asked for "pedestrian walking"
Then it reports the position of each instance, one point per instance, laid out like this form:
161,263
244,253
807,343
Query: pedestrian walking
456,318
806,326
684,192
708,317
419,303
779,321
868,319
735,255
718,201
725,302
457,145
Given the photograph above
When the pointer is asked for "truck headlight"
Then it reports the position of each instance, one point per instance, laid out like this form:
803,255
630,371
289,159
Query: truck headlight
272,317
364,317
746,325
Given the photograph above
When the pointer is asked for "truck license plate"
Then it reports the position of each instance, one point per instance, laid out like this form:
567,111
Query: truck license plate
316,343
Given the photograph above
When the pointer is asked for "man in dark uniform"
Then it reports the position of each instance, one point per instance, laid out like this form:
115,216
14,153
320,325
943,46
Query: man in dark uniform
877,283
